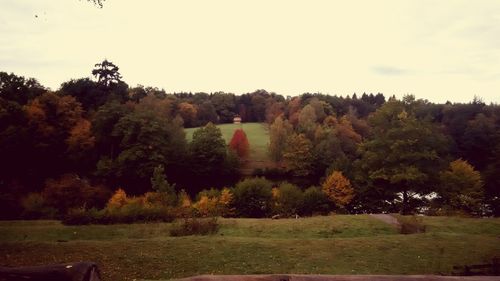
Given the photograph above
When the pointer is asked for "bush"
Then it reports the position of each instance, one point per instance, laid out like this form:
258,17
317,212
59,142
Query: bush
195,226
130,214
35,207
122,209
253,198
288,200
70,191
410,225
314,202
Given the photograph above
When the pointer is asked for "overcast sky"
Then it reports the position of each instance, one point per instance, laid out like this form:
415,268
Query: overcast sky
437,50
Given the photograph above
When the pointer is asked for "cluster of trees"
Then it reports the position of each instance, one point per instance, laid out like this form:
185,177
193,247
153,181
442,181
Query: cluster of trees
400,156
110,135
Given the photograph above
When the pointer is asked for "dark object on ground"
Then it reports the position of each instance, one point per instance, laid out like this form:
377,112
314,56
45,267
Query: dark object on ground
479,269
80,271
411,225
294,277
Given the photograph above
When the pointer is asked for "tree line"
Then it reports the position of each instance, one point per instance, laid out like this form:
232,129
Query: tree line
109,135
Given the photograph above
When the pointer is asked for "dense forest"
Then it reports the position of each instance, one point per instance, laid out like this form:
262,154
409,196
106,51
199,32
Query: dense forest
74,147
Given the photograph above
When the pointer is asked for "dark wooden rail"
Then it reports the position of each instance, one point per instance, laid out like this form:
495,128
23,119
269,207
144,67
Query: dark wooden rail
81,271
478,269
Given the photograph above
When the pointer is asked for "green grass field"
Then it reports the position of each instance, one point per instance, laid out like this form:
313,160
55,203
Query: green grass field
341,244
258,137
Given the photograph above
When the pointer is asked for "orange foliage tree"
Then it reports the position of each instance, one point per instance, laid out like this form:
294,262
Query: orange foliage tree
239,143
338,189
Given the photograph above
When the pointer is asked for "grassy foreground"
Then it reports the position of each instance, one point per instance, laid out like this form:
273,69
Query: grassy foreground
341,244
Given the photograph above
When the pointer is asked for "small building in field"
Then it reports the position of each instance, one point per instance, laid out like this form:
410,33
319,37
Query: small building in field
237,119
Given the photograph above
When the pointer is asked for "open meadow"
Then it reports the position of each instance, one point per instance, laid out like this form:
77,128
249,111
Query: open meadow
258,137
339,244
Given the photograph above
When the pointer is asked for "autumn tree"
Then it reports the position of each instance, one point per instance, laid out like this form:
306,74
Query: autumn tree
338,189
298,155
294,111
70,191
335,145
274,110
61,136
239,143
461,188
321,108
188,113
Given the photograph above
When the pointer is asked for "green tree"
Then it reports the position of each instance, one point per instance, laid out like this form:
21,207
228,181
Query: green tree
160,185
87,92
462,188
492,181
315,202
479,137
288,200
253,198
107,73
403,154
211,162
307,121
146,140
279,132
207,150
19,89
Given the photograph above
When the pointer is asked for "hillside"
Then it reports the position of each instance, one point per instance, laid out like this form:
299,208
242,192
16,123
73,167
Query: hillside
258,137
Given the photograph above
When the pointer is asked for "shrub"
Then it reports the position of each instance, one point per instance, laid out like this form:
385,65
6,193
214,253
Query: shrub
410,225
207,206
70,191
314,202
80,216
132,214
195,226
288,199
253,197
35,207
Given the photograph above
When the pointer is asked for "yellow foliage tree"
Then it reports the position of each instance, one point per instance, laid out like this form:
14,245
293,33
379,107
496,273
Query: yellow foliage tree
225,201
118,200
207,206
338,189
184,200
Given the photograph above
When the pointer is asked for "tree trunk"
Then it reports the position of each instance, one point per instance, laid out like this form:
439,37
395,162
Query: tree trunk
404,207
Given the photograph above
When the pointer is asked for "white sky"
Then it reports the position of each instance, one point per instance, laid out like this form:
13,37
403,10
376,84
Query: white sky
437,50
